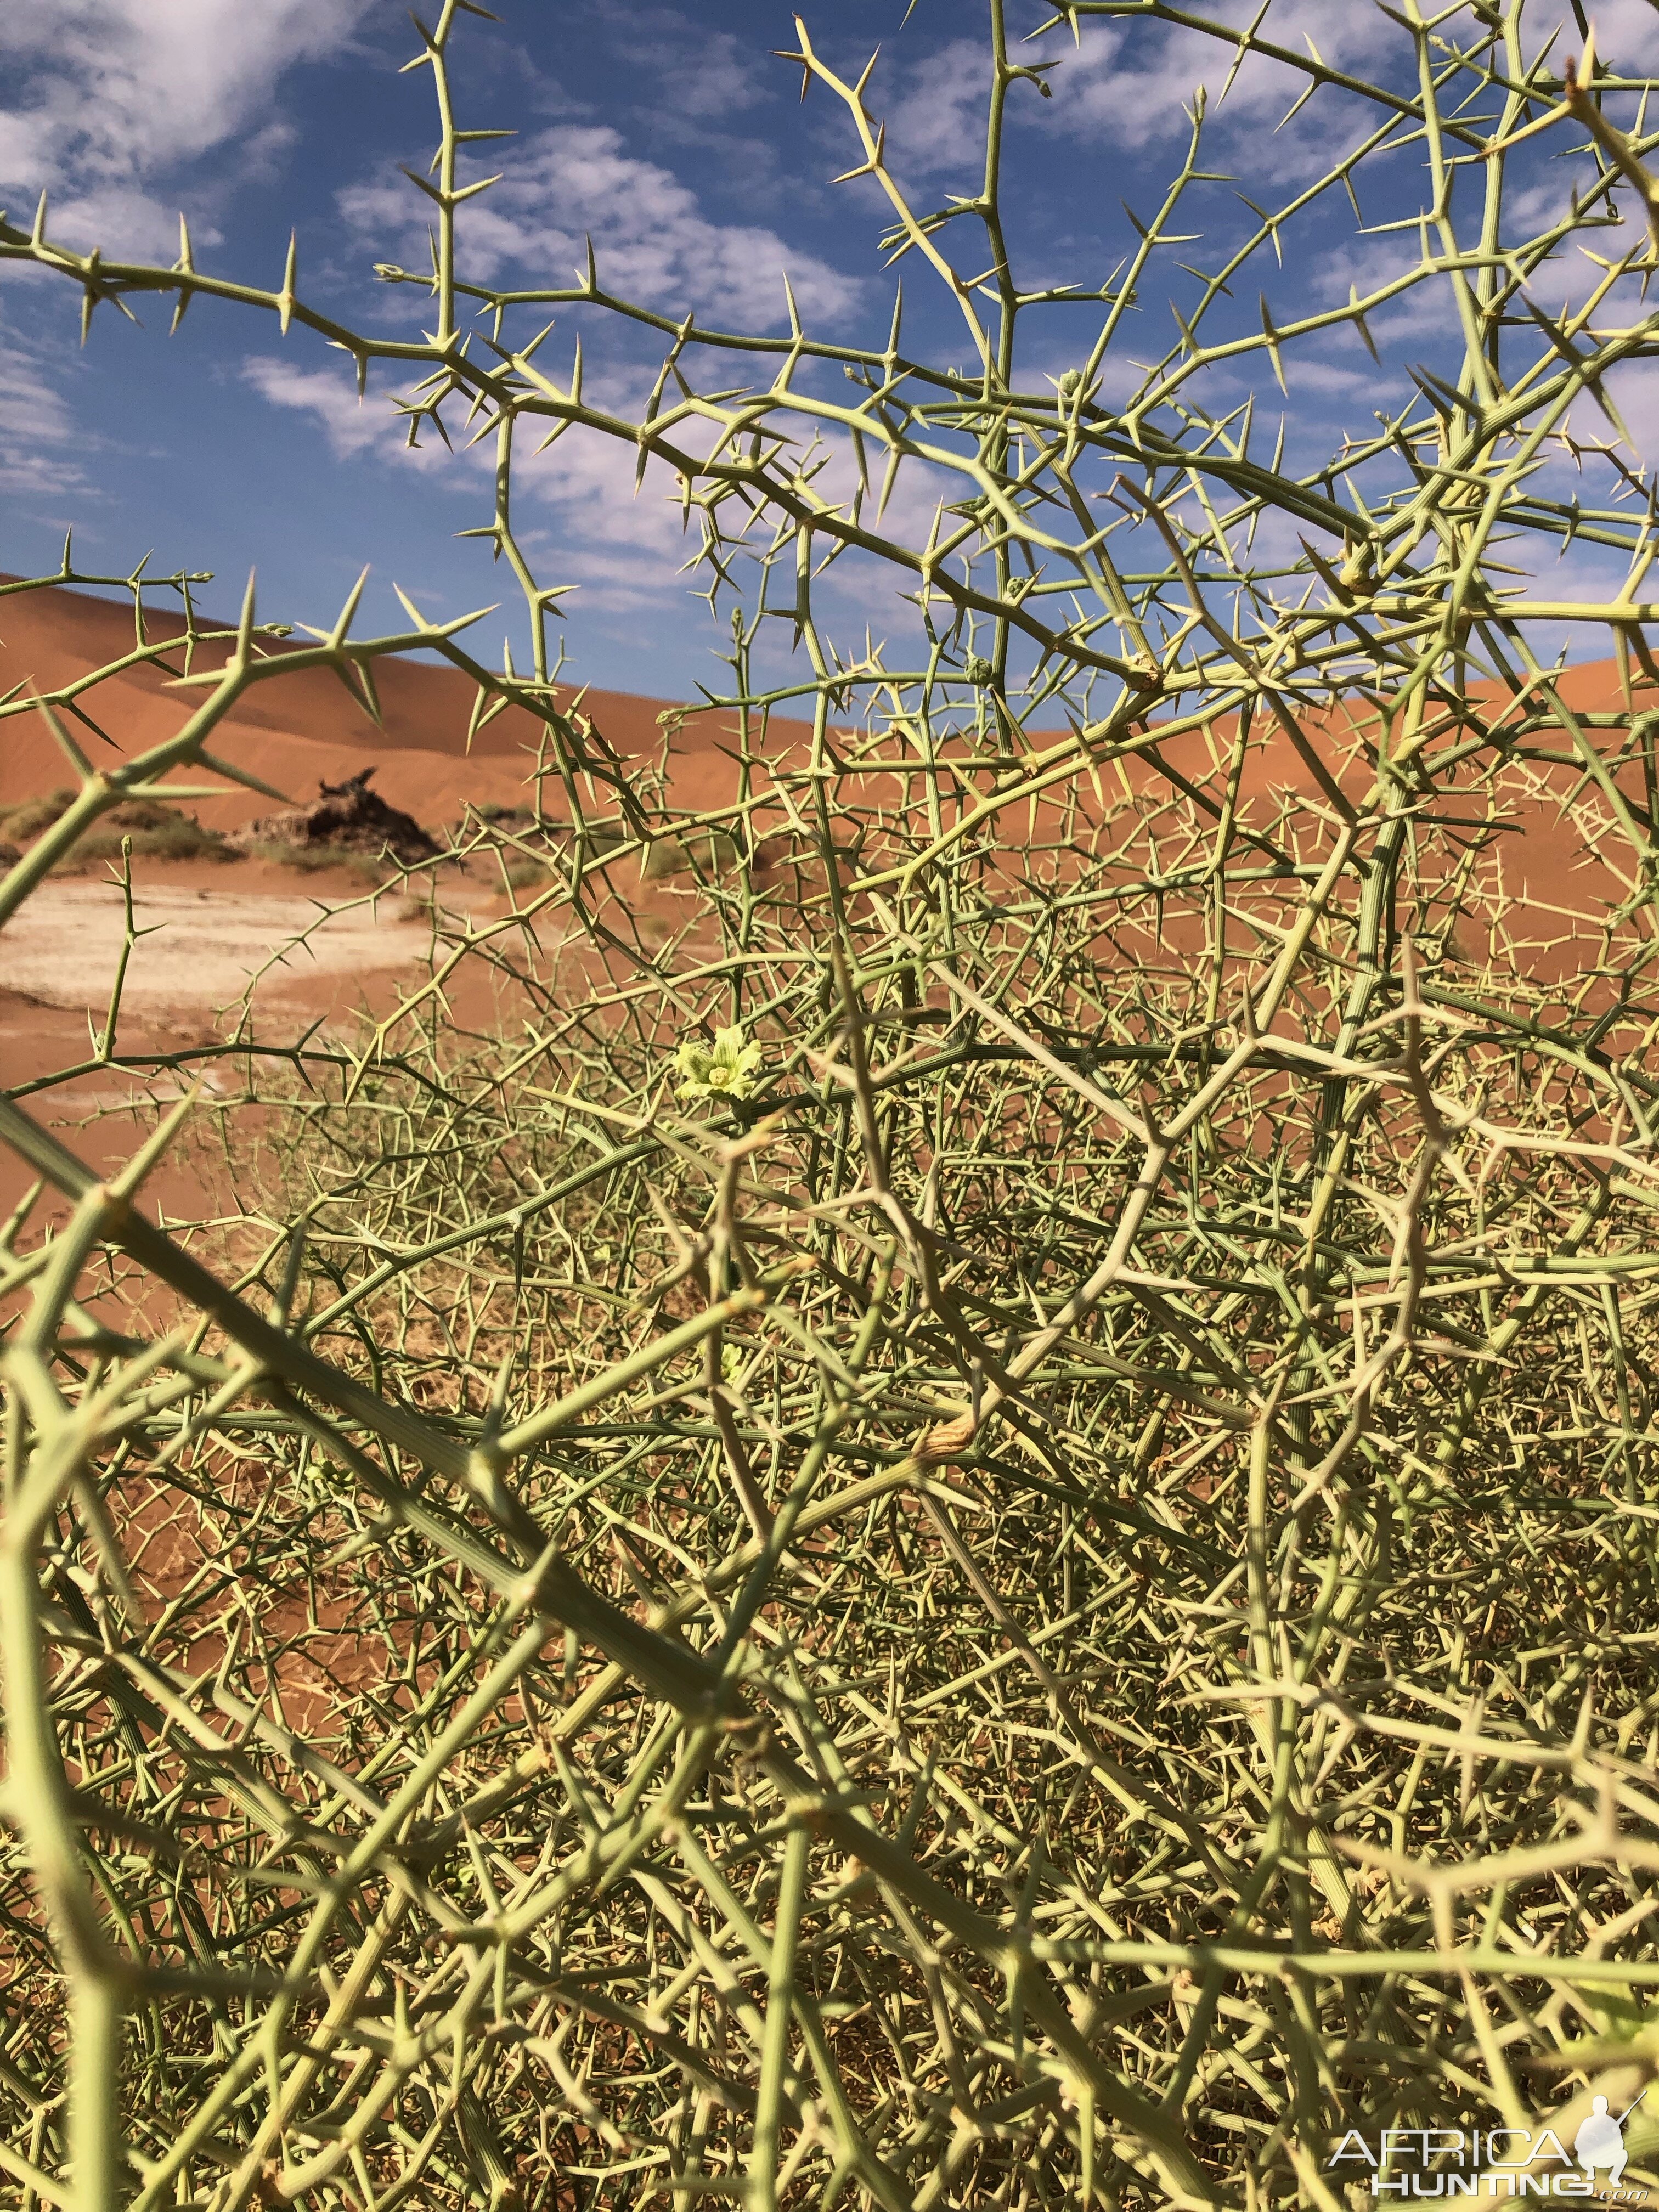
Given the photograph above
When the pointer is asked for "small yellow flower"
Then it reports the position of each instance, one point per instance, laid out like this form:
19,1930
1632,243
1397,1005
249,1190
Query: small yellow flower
727,1072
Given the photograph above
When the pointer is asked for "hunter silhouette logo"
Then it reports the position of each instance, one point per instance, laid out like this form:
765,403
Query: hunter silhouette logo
1600,2140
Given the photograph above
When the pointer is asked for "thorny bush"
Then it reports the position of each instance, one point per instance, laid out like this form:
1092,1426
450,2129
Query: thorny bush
1045,1593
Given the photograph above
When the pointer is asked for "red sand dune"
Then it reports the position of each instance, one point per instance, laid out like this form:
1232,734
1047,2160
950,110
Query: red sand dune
298,729
294,732
303,727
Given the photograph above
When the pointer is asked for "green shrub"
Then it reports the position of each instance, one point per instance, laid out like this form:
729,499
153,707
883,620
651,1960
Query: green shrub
157,831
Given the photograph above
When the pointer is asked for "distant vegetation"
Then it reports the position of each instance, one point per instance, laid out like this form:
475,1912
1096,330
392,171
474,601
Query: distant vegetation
155,830
955,1508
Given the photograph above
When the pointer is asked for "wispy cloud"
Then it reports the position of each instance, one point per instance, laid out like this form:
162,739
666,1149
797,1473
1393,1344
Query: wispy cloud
712,75
624,550
937,123
651,237
40,440
110,98
1136,80
351,425
1121,87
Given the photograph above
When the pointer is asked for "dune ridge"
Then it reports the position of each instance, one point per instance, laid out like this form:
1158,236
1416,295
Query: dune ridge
307,728
303,728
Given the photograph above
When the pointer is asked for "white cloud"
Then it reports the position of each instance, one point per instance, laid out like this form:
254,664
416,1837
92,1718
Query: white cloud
651,239
1135,81
938,121
1124,85
108,97
1633,388
710,75
1626,33
39,438
351,425
624,550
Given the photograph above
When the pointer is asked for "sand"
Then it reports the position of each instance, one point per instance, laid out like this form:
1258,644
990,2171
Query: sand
217,923
197,950
208,930
300,728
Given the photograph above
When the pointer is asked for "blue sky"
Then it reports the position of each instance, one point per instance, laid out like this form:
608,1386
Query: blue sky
673,137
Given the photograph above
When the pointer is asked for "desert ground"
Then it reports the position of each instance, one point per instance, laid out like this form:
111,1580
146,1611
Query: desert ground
212,929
